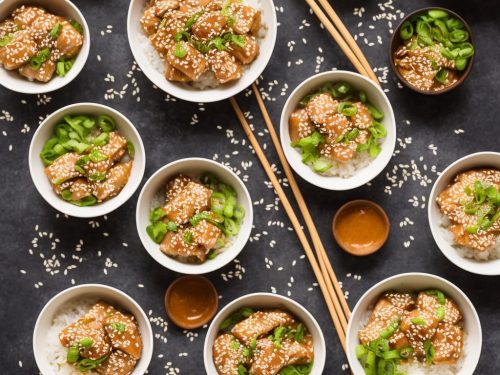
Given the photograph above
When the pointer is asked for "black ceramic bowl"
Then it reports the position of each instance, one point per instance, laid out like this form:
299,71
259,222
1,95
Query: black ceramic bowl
396,42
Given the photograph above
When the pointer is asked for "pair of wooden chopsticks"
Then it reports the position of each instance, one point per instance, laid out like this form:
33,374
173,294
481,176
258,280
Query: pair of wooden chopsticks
327,281
323,270
343,38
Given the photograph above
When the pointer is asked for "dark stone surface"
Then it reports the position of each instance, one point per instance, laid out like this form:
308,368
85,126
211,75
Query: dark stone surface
168,135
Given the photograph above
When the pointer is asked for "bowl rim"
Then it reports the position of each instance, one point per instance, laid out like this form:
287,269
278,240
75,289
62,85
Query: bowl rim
343,245
146,355
211,94
395,38
286,301
351,358
67,208
466,264
328,182
82,56
178,266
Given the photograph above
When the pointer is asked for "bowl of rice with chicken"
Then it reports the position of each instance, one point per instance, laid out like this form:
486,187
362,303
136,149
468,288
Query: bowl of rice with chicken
338,130
92,329
414,324
464,213
202,50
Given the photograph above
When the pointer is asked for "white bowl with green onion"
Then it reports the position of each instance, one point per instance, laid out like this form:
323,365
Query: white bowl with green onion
442,237
411,282
355,95
154,228
267,301
14,81
45,334
49,144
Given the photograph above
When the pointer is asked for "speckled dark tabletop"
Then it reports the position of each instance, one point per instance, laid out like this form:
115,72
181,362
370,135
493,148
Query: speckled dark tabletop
432,132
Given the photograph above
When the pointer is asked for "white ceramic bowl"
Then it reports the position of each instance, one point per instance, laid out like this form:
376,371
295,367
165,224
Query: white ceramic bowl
12,80
141,47
415,282
111,295
45,131
267,301
375,95
192,167
480,159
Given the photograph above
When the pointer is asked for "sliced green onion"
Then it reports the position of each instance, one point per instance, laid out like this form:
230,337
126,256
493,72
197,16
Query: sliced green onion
106,123
441,76
437,13
54,33
37,60
391,354
457,36
377,130
461,63
73,354
454,24
406,352
6,40
187,237
236,317
418,321
360,351
87,201
472,229
321,166
406,31
362,96
101,140
157,231
171,226
212,254
156,214
96,156
429,351
441,297
231,227
180,51
86,342
77,26
347,109
351,136
375,112
440,313
131,149
117,326
239,212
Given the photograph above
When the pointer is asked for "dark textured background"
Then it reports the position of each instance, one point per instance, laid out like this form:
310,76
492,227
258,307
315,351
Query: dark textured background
172,130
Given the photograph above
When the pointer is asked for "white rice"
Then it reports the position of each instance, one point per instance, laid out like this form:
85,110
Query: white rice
206,80
349,168
491,253
55,352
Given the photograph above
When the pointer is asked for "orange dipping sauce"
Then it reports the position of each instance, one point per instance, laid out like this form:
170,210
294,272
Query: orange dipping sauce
361,227
191,301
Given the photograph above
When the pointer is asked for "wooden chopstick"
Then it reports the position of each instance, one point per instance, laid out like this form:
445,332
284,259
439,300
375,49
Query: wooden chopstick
320,250
350,48
349,39
294,220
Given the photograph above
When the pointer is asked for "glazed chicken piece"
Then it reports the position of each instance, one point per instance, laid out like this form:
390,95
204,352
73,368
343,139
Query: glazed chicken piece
419,326
175,75
398,340
208,26
477,241
401,300
448,343
175,246
63,168
224,65
24,16
176,185
188,5
87,328
124,334
80,189
206,234
100,310
193,63
384,312
116,178
150,21
21,48
300,126
248,52
363,118
430,304
246,18
70,41
335,126
269,360
115,148
7,27
259,323
340,152
192,199
321,108
118,363
43,74
42,26
161,7
226,357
